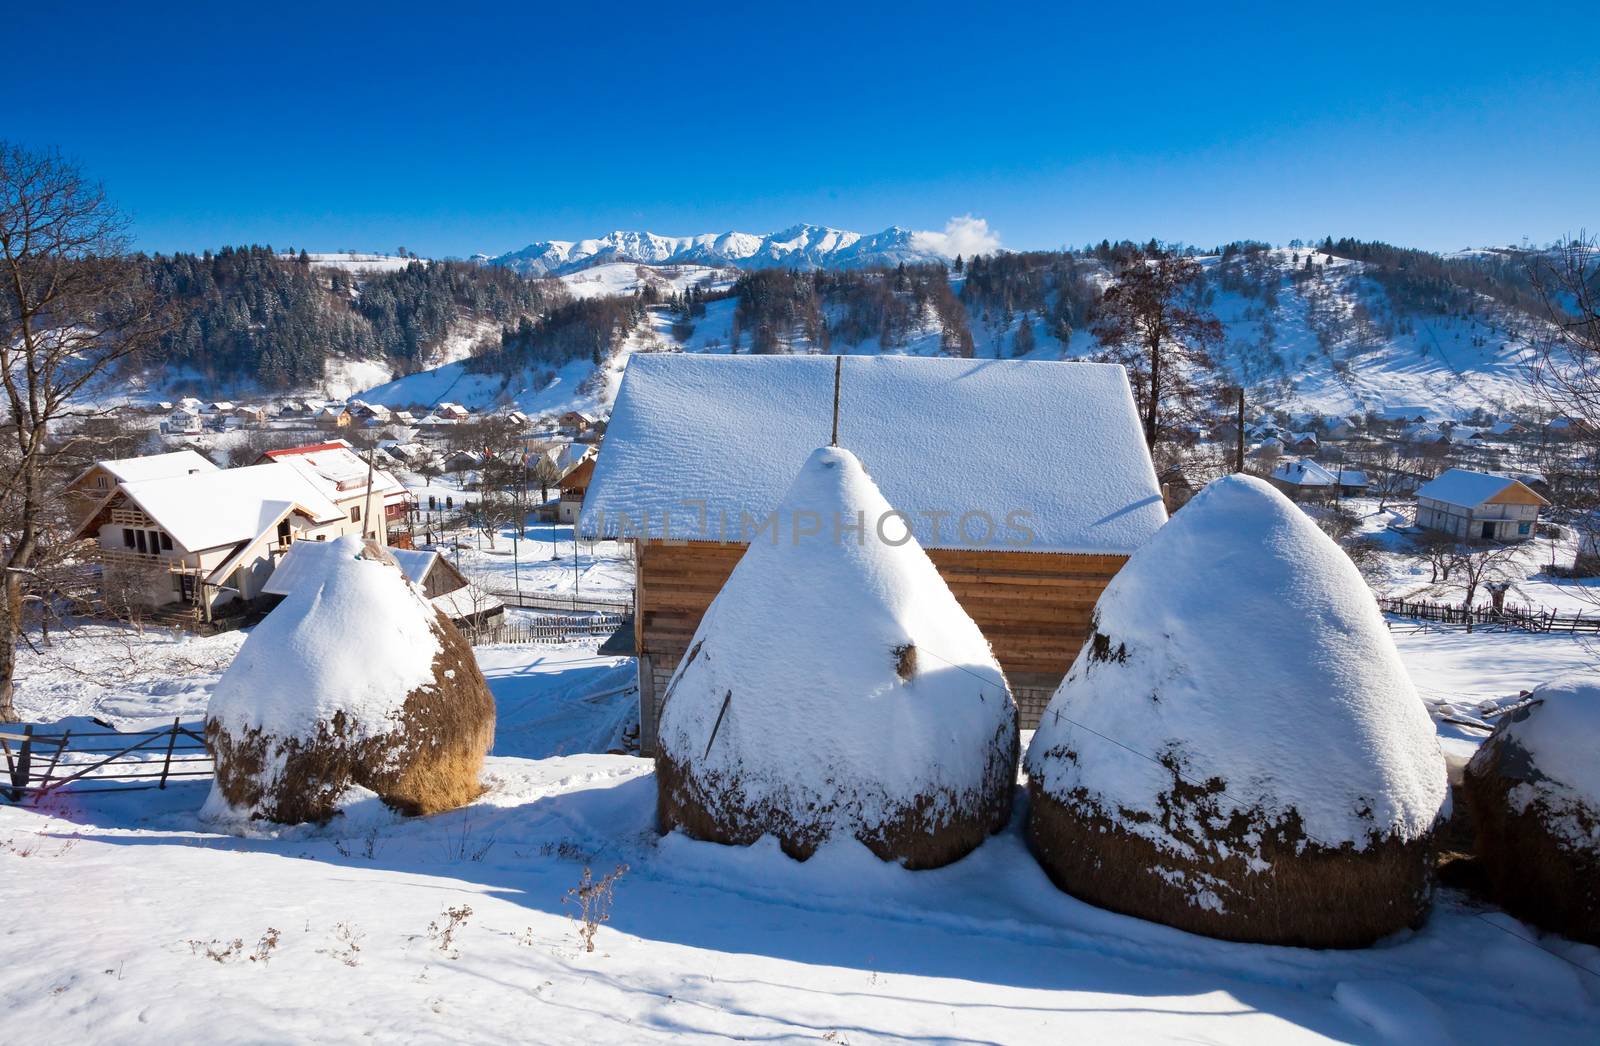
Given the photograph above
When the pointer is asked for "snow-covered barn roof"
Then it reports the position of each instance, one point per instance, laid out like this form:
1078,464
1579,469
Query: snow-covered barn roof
208,510
1467,489
1059,444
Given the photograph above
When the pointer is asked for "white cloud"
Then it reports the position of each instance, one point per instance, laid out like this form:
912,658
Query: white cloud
965,236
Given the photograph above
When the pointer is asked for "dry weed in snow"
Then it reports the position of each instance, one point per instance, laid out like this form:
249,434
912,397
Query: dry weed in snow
442,931
593,898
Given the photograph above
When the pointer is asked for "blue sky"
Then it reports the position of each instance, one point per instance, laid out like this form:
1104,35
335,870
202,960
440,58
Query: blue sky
467,127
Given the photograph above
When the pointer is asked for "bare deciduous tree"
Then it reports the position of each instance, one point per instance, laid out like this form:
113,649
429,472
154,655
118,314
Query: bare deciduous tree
72,305
1567,369
1149,323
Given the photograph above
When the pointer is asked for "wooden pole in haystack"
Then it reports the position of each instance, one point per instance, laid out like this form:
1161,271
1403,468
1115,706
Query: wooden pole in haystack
1238,454
838,363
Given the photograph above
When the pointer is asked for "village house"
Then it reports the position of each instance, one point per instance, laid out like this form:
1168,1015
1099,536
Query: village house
183,422
576,422
701,449
95,483
1302,442
251,413
573,486
452,412
466,605
344,474
1305,480
207,539
334,416
1476,506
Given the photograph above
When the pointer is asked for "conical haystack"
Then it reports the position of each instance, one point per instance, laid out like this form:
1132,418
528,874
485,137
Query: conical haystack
1238,751
1534,792
836,687
353,680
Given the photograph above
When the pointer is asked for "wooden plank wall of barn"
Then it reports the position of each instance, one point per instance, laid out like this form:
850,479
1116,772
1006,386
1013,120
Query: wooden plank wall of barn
1034,608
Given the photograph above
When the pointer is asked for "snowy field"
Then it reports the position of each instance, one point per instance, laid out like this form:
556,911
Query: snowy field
703,941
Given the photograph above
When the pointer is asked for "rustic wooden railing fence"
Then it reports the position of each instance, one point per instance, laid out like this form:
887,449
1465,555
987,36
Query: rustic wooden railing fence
551,601
1525,619
38,763
549,629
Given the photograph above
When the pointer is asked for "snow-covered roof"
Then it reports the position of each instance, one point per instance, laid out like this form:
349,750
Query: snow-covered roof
212,509
337,464
308,562
1463,487
1056,446
156,466
1302,472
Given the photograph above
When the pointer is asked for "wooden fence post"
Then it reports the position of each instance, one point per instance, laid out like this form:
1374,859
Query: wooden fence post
44,782
19,776
172,740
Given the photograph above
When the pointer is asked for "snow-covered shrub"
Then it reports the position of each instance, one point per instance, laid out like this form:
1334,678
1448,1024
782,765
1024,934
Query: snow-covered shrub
1534,792
353,681
836,687
1237,750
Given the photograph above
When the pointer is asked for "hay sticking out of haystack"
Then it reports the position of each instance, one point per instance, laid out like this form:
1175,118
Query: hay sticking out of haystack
1534,791
1237,750
353,680
836,688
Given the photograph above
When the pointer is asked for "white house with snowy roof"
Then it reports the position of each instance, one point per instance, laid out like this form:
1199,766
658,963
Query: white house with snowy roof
1027,482
94,484
1478,506
206,539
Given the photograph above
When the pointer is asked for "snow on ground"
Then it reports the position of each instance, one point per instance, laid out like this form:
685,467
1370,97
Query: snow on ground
702,940
541,562
1403,571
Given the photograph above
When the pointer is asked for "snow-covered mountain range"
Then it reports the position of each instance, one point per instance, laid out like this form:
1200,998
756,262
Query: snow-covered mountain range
801,246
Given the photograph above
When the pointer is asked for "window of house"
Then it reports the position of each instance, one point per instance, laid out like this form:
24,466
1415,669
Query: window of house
166,542
1522,528
100,481
143,542
355,514
127,538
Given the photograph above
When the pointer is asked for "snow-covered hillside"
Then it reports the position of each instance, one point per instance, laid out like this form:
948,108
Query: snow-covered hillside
632,277
801,246
359,261
1331,340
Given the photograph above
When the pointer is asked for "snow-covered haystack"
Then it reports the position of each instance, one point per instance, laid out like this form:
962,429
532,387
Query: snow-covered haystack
836,687
354,680
1534,791
1238,751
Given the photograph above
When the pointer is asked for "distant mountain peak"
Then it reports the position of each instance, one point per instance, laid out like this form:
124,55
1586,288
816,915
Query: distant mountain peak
800,246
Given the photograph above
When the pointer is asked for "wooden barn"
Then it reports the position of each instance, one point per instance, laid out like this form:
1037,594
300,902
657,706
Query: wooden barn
1028,483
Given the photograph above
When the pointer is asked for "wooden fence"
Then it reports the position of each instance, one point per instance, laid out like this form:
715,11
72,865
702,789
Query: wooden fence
552,601
38,763
550,629
1525,619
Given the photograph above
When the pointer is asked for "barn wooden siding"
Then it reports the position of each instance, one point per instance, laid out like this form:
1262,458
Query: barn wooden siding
1034,608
